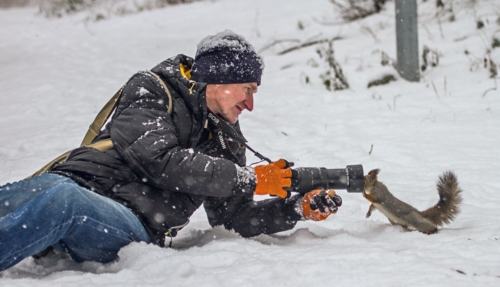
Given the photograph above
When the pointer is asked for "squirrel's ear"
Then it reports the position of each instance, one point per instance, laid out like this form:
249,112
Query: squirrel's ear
373,174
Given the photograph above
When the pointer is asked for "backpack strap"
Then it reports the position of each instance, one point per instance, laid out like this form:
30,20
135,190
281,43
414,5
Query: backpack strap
96,126
169,108
101,118
100,146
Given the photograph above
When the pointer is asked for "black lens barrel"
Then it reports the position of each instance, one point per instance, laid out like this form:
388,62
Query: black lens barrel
305,179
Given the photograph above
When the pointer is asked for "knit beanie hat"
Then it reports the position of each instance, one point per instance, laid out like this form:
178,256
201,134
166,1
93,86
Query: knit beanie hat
226,58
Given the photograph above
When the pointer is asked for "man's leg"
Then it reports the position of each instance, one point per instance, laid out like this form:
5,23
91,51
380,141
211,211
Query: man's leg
53,210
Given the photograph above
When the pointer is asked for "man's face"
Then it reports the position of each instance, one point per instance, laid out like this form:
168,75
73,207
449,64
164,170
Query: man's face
229,100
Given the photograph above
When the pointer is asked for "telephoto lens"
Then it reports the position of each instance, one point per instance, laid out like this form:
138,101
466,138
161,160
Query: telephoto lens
305,179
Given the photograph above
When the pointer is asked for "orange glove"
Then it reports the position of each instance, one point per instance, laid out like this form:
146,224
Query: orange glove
319,204
273,178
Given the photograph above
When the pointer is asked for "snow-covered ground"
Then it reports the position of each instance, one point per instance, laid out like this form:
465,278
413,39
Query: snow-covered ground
56,74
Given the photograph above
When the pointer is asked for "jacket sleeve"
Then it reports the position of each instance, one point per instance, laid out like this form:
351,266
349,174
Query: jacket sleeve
250,218
144,135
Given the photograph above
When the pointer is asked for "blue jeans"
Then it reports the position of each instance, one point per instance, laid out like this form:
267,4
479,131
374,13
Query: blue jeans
53,210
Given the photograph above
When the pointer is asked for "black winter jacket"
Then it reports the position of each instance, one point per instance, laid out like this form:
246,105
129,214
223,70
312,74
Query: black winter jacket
163,167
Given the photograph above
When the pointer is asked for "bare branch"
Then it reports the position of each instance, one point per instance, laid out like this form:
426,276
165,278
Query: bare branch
307,44
268,46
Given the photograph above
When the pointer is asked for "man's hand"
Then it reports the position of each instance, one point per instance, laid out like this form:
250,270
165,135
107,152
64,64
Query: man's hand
319,204
273,178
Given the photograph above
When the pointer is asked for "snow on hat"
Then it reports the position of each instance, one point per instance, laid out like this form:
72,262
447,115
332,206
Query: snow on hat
226,58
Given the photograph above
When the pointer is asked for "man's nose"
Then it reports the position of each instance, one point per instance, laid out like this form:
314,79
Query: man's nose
249,103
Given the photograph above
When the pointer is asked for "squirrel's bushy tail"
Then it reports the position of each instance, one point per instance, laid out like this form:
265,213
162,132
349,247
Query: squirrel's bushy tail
449,200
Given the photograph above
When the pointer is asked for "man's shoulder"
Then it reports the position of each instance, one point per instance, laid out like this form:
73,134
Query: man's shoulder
171,67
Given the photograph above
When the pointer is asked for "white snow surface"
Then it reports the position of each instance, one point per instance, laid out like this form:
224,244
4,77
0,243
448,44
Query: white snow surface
56,74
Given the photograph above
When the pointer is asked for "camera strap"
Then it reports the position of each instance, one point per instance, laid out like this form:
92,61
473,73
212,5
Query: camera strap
226,132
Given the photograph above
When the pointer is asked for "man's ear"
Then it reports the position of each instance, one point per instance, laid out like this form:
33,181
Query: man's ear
210,97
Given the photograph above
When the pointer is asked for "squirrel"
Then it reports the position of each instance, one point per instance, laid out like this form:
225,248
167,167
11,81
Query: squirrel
405,215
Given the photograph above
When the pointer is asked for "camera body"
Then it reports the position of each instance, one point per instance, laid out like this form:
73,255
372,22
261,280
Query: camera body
305,179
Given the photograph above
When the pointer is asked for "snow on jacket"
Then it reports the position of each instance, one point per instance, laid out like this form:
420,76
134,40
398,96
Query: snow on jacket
163,167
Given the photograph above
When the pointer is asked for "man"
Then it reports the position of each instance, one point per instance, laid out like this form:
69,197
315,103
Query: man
173,133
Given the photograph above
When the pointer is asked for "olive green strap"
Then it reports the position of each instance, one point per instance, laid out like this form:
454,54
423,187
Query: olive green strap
50,164
96,126
100,146
169,108
101,118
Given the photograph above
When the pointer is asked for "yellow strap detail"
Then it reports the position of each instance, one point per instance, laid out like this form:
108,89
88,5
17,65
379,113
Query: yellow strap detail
185,71
191,89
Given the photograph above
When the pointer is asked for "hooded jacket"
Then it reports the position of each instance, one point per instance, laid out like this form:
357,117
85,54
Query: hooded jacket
165,166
